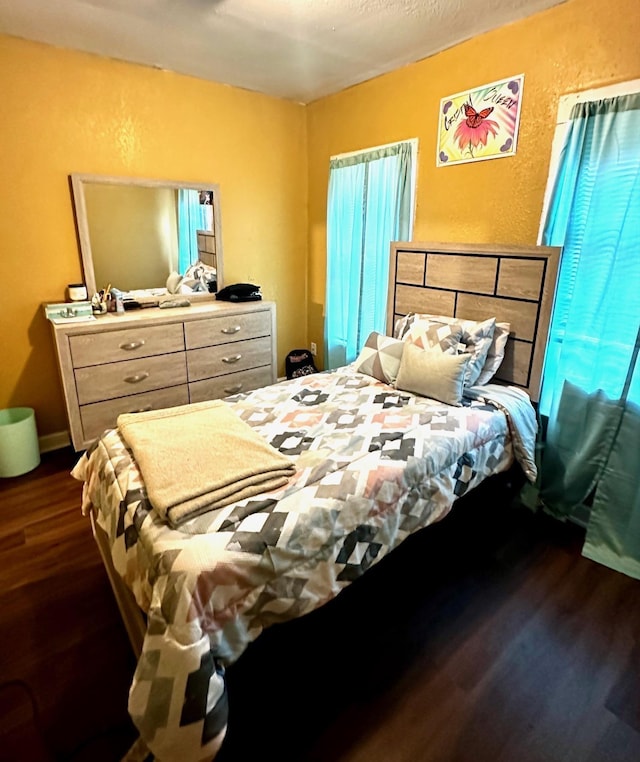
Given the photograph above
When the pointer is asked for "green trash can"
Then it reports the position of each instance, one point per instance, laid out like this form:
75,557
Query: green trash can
19,450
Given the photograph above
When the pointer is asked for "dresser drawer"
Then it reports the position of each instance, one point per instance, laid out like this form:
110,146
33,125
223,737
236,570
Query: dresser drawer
221,329
121,379
161,358
228,358
112,346
104,415
232,383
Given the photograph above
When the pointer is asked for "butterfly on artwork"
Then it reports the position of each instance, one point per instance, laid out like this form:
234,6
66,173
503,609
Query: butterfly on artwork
474,118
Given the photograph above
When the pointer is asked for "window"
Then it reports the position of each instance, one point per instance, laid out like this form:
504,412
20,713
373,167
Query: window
591,381
592,210
370,204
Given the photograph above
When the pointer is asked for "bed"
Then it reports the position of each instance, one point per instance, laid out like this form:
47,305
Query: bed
375,459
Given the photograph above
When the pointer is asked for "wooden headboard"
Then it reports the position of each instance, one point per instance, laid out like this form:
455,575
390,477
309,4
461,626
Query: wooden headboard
514,284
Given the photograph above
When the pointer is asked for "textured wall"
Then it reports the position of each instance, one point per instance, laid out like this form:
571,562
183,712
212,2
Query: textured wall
68,112
65,112
574,46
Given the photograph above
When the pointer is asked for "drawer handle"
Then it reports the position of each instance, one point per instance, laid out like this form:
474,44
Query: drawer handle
233,359
137,377
233,329
144,409
132,345
233,389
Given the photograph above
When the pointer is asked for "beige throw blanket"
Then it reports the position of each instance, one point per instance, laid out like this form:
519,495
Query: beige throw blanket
199,457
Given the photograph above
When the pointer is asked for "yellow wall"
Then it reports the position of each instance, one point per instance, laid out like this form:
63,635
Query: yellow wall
68,112
575,46
65,112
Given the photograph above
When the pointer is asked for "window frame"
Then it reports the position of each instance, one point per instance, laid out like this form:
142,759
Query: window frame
415,144
565,104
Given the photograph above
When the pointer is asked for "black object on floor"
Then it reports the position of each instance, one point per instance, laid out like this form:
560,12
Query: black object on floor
299,362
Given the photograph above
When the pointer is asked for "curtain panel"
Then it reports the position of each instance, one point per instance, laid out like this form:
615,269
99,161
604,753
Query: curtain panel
591,386
369,205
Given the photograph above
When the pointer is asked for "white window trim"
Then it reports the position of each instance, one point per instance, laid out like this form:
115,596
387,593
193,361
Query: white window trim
565,104
414,167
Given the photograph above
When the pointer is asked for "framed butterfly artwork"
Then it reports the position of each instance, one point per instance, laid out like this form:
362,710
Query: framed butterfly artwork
480,123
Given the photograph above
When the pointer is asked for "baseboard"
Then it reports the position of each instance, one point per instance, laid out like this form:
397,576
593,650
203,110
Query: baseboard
56,441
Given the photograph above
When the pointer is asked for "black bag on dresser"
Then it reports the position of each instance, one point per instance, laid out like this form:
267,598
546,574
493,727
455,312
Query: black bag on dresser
299,362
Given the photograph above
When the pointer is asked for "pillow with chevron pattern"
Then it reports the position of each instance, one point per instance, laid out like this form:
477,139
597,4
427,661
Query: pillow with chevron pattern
495,355
380,357
476,339
430,333
403,324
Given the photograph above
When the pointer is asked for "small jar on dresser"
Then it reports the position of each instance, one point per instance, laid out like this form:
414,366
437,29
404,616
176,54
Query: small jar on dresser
156,358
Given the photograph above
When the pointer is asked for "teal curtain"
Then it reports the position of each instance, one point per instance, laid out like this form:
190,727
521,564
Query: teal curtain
192,216
591,385
369,205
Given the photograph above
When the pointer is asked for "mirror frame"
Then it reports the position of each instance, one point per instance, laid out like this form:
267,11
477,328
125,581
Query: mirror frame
78,181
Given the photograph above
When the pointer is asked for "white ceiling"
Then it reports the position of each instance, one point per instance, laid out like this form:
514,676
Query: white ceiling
294,49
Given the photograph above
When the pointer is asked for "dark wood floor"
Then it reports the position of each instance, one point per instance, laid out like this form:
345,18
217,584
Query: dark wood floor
486,638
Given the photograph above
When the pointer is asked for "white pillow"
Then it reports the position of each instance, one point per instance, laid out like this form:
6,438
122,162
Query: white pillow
431,373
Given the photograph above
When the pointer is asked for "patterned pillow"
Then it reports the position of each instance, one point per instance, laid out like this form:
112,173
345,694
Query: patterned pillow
380,357
403,324
435,334
432,374
476,338
495,354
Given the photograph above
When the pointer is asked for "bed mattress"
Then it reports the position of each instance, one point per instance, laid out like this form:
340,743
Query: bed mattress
373,465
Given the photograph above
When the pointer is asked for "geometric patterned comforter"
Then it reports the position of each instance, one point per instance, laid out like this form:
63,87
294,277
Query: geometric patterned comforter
373,465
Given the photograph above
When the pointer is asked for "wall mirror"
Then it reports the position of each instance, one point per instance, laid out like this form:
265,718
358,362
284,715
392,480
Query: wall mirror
134,232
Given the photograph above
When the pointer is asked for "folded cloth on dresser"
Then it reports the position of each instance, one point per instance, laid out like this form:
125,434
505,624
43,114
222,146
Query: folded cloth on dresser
200,457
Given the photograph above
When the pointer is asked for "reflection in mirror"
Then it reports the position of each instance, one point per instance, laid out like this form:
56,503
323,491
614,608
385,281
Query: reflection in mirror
135,233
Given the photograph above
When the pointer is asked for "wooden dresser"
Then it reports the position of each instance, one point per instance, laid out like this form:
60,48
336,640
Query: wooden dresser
155,358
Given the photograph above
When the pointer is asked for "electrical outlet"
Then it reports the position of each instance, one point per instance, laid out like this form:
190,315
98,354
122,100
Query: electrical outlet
314,348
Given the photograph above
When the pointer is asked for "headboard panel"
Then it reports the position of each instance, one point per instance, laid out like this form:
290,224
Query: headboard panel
514,284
